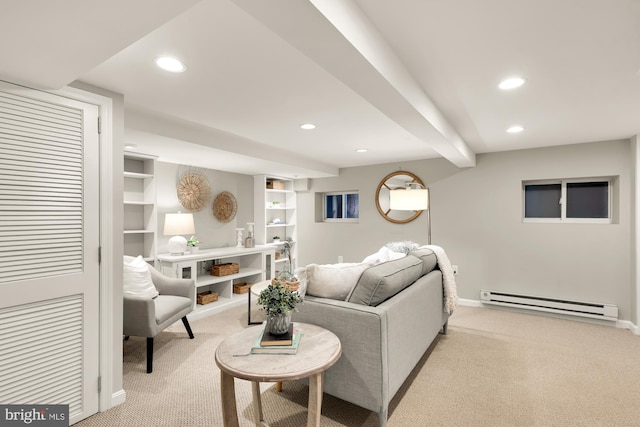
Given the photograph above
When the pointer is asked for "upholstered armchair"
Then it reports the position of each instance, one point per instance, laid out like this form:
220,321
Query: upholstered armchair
146,315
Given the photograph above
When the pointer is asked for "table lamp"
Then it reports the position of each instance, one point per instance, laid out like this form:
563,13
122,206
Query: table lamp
176,225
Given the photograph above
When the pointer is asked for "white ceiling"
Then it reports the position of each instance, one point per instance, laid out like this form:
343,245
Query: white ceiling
407,79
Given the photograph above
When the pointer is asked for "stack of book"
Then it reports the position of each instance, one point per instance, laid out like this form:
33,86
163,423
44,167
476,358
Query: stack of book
287,343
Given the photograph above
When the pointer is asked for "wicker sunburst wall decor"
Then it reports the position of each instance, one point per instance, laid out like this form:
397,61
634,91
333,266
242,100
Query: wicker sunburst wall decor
193,191
225,206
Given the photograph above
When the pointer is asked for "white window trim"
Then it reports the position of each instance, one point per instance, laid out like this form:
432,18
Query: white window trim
563,206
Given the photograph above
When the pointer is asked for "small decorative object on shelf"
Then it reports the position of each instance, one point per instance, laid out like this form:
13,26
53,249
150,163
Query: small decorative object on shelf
239,237
193,243
276,239
250,241
278,302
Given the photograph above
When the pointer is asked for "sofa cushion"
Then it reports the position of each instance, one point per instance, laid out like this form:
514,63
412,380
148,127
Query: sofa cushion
333,281
382,281
428,257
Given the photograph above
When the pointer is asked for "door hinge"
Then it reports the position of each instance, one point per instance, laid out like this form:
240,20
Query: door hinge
99,254
99,125
99,384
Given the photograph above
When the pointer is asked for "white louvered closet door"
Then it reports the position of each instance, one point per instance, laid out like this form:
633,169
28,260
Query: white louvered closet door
49,239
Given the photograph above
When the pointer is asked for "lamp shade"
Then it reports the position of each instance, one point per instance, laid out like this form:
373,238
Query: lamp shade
178,223
409,199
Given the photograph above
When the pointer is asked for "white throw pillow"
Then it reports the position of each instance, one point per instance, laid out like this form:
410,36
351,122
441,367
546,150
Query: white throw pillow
333,281
383,255
137,279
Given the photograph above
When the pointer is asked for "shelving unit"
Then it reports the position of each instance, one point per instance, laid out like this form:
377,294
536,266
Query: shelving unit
140,214
256,264
271,204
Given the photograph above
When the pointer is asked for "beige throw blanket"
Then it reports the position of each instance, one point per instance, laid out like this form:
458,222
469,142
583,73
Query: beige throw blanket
448,279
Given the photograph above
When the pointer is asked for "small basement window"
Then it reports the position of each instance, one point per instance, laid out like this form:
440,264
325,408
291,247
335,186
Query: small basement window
570,200
341,207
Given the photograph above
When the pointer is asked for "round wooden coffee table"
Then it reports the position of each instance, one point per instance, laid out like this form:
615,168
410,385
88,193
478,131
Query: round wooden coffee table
319,349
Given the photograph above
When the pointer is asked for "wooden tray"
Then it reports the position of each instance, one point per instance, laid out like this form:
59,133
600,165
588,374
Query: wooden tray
225,269
207,297
241,288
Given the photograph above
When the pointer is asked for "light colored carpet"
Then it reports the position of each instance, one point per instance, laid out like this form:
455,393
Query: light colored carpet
494,368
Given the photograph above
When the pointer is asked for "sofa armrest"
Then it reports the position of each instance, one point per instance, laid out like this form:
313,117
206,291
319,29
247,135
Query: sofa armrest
359,376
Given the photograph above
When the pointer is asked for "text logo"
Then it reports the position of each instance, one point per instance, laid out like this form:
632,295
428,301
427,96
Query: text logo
34,415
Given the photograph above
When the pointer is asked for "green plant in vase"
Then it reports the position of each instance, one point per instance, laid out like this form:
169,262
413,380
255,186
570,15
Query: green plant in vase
278,303
193,243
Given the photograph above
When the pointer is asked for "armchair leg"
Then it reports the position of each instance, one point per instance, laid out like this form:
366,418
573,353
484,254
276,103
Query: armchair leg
187,326
149,355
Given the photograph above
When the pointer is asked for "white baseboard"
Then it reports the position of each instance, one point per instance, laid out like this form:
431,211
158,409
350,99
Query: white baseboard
626,324
117,398
470,303
621,324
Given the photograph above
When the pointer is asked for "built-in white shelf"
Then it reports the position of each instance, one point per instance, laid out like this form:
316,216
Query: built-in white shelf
255,265
139,199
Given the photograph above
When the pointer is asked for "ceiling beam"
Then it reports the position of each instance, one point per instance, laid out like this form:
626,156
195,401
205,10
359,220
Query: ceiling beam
340,38
227,148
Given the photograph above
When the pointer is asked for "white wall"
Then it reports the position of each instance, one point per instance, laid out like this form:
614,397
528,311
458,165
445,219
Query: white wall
477,217
211,232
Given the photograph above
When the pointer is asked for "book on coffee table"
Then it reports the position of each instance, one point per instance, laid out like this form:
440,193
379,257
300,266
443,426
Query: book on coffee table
277,349
283,339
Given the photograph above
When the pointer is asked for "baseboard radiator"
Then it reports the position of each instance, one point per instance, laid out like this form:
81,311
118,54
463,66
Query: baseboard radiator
551,305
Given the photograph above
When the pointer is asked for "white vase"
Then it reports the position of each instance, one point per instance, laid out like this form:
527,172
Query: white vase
194,249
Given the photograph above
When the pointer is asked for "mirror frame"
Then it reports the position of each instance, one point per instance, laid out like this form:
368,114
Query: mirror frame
384,184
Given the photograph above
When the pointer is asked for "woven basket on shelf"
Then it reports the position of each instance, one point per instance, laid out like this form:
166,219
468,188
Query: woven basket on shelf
241,288
225,269
207,297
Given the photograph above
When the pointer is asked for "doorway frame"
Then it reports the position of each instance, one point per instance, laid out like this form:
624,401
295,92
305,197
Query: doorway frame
111,393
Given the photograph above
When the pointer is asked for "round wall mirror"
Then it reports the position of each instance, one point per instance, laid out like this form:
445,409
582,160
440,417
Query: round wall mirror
390,182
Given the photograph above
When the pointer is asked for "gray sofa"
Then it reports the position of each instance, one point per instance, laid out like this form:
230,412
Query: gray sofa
385,325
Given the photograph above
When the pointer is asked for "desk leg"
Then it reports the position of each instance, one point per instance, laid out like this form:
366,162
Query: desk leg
228,394
315,400
258,417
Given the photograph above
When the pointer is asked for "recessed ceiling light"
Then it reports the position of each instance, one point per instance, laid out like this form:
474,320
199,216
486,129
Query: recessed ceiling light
308,126
170,64
512,83
361,150
515,129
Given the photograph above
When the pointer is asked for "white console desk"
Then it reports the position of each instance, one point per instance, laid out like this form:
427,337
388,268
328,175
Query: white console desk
256,265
